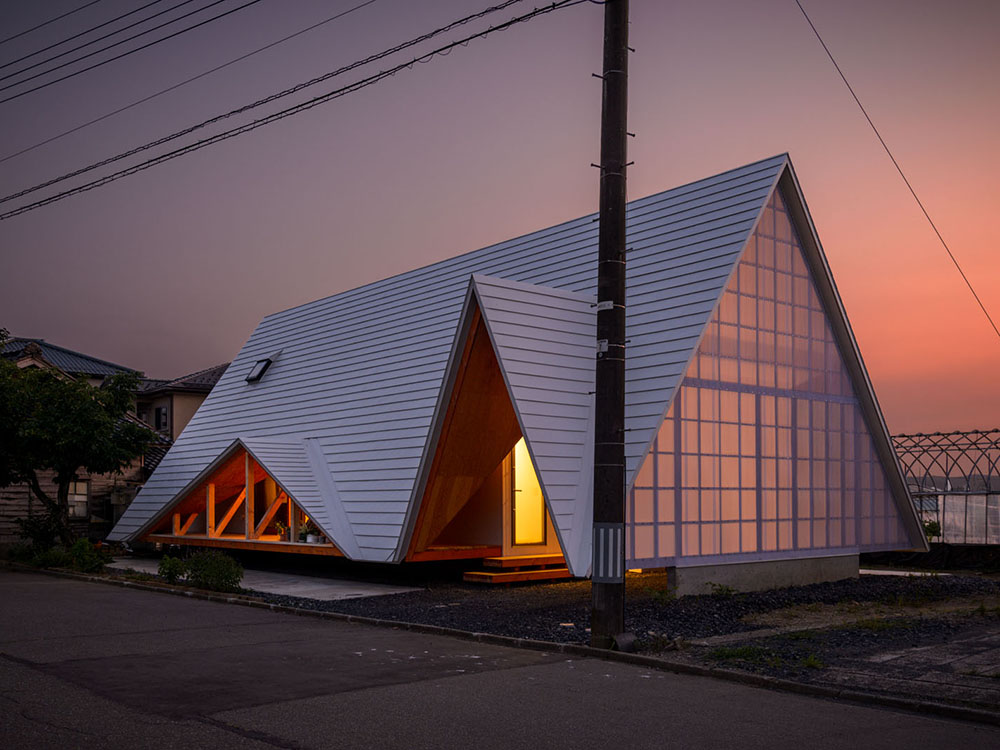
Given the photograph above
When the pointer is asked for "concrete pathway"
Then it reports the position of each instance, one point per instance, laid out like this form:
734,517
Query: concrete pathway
97,666
902,573
284,584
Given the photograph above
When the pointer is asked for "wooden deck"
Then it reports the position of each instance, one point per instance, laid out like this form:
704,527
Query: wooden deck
233,541
453,552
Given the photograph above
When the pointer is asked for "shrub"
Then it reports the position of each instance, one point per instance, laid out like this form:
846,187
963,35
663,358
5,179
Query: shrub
20,552
56,557
721,590
171,569
932,529
86,557
40,531
214,570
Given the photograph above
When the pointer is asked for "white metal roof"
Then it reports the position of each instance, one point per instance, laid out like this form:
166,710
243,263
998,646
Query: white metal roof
359,373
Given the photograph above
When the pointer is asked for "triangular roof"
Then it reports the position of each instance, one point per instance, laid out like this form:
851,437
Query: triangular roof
543,339
361,372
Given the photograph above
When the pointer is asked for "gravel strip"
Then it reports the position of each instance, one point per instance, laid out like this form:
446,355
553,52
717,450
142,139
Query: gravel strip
560,612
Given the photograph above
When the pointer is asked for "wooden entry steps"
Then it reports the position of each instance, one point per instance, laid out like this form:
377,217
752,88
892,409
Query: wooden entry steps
523,561
519,569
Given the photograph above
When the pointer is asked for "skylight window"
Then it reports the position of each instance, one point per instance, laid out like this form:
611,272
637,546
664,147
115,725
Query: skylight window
258,370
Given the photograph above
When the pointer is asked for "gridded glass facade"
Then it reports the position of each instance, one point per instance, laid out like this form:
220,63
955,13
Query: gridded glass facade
764,451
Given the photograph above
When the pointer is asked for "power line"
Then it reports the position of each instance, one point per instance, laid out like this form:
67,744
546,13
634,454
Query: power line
900,170
261,102
84,33
123,54
105,48
296,109
51,20
186,81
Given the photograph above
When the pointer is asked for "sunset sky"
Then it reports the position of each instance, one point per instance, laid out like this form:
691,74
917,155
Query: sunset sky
168,271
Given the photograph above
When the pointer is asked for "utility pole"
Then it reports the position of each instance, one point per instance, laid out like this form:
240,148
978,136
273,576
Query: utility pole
607,619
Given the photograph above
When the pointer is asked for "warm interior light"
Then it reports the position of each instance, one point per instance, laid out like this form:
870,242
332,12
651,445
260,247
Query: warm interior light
528,503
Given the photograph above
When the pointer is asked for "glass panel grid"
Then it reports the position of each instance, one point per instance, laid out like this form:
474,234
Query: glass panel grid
764,447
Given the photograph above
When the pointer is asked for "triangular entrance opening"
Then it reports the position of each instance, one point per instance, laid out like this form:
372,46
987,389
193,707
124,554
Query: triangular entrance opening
481,497
764,451
240,505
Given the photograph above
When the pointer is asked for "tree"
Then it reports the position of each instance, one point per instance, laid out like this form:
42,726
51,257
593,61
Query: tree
50,421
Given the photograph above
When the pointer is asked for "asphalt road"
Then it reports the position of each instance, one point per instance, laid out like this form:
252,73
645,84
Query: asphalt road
93,666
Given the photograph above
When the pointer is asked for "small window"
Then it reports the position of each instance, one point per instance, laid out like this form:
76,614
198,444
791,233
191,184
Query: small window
160,421
258,370
78,499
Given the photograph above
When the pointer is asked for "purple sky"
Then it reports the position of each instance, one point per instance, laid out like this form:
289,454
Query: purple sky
169,270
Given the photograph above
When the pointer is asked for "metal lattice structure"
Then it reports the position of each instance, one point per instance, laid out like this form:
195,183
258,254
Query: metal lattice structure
954,478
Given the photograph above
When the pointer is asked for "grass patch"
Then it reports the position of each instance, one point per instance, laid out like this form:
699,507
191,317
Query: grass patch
983,611
800,635
811,661
877,625
660,596
721,590
756,655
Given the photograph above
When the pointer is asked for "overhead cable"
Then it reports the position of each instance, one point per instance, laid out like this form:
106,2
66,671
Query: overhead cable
296,109
89,31
123,54
266,100
186,81
51,20
899,169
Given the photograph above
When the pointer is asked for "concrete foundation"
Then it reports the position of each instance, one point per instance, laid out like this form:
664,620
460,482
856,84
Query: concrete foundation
758,576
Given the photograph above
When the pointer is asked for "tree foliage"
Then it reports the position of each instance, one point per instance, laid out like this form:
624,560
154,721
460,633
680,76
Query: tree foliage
52,422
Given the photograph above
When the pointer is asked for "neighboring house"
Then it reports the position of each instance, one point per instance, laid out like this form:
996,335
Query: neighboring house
168,405
448,412
40,353
96,501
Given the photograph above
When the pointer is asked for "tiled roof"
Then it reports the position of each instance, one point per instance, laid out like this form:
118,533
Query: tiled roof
66,360
200,382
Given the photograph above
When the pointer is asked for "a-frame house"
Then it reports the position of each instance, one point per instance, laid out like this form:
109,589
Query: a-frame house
448,412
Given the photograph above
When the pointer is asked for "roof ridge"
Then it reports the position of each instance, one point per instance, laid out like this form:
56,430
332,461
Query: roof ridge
73,352
198,372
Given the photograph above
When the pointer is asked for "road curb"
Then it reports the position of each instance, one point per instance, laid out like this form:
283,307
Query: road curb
942,710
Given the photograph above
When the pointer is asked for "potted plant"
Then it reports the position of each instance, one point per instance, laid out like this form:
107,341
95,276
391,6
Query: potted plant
312,533
282,530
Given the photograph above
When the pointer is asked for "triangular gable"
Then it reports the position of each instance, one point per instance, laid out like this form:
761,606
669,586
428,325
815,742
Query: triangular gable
771,444
290,465
545,342
299,469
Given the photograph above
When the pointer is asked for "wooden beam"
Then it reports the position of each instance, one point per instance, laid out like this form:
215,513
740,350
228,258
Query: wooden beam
455,553
249,496
177,524
210,509
271,513
187,524
230,513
